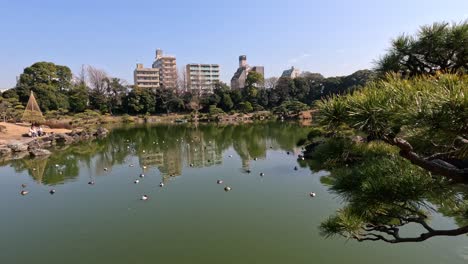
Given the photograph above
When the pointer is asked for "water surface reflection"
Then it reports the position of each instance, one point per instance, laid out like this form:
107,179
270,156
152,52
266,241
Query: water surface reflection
168,148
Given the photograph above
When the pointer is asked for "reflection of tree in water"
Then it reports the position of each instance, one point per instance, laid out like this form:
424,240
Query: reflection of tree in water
385,193
45,169
36,167
249,142
165,147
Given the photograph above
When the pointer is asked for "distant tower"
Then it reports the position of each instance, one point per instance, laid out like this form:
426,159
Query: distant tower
159,53
242,61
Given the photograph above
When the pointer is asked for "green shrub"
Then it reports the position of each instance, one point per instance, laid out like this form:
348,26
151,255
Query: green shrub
213,110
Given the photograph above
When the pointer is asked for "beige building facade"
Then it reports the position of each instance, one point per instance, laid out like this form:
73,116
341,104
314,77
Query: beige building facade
167,70
162,74
146,77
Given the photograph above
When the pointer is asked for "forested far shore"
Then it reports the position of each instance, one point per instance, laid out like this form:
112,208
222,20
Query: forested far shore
58,91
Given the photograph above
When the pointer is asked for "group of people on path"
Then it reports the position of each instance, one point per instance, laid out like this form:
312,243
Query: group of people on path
36,131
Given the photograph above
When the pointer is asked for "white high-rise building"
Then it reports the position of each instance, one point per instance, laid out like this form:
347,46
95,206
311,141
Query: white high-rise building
201,78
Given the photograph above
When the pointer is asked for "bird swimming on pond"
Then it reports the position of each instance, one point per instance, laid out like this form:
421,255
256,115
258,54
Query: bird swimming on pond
295,167
287,152
248,171
105,169
227,188
24,192
142,175
255,158
230,156
144,197
262,174
52,191
136,181
131,165
161,184
191,164
312,194
91,182
219,181
23,185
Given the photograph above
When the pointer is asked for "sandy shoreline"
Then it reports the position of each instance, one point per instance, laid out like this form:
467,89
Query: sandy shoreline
13,133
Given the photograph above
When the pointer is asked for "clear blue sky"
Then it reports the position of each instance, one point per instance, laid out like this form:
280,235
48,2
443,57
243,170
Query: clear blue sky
331,37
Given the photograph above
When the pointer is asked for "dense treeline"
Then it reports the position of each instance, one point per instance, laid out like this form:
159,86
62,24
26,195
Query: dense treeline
58,91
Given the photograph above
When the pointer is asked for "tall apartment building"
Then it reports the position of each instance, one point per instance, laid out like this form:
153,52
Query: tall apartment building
240,76
167,69
146,77
202,78
291,73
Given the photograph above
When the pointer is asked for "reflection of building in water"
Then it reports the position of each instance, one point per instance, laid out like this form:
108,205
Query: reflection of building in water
172,163
203,154
168,162
152,159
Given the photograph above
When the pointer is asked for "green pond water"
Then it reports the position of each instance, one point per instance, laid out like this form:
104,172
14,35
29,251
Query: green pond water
269,219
